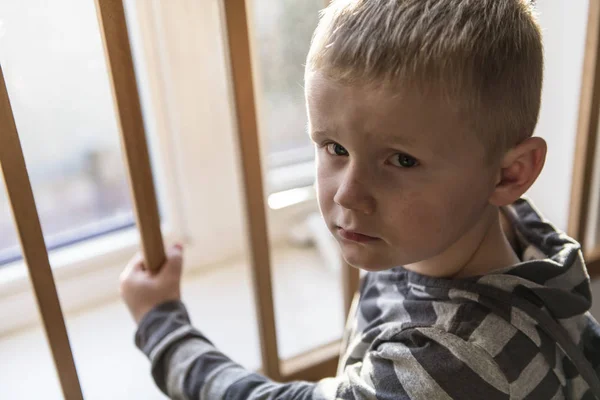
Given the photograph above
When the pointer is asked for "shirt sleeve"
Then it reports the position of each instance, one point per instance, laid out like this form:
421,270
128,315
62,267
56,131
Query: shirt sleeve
415,363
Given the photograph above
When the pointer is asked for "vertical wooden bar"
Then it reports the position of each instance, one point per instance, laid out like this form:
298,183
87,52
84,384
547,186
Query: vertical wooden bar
241,68
587,131
30,234
113,25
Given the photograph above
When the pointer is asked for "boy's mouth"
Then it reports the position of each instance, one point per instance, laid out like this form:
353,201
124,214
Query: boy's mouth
354,236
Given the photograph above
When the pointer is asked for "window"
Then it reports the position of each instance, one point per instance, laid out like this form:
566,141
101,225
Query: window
208,195
75,163
584,212
282,31
66,124
55,67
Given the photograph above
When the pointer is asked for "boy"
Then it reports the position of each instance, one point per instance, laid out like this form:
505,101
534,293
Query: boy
422,114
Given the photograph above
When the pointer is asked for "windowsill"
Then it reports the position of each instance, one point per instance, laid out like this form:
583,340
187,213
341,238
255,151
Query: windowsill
71,260
98,252
86,274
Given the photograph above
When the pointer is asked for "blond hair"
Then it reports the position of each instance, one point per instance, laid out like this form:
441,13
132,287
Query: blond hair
485,55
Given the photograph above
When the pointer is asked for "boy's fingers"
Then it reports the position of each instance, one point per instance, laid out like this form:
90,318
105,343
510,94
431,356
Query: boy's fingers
173,264
174,259
134,265
175,251
138,258
129,272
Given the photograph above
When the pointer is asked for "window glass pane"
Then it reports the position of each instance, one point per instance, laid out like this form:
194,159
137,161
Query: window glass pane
282,31
53,60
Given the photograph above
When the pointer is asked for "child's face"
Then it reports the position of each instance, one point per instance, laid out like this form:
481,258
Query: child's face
400,178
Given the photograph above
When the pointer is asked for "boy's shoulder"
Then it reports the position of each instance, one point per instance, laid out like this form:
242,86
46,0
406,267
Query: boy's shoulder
396,301
450,337
444,328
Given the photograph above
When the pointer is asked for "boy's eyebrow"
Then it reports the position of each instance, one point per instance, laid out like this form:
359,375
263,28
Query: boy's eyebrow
315,133
384,138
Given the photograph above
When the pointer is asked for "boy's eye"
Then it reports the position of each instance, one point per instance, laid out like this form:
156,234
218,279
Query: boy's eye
404,161
336,150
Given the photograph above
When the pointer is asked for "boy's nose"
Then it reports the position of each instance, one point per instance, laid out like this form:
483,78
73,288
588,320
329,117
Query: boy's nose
353,195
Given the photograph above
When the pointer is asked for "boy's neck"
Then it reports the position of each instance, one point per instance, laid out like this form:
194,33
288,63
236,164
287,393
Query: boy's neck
483,249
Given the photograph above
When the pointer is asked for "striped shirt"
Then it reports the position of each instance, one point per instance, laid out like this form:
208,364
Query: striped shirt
523,332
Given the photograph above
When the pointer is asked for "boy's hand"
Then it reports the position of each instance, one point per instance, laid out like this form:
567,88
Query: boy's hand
142,290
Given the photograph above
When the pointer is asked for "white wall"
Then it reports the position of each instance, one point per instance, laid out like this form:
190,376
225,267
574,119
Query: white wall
564,28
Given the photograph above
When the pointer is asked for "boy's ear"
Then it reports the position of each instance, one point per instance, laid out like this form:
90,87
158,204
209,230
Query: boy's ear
519,168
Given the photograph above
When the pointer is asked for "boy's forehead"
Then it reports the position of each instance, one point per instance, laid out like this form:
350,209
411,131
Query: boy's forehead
319,85
379,108
380,98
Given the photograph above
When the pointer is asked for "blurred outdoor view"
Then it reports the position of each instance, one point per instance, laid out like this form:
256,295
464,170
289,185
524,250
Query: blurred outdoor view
53,61
282,30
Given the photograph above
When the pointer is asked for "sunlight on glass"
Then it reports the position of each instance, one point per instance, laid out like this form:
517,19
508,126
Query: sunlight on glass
288,198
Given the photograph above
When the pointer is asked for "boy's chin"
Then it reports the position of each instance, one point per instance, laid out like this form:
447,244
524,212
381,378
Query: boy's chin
366,262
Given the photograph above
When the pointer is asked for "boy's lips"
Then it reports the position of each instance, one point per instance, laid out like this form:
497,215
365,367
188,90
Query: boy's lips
355,236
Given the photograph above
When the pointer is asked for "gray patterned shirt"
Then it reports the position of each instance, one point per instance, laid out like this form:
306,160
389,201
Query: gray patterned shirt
523,332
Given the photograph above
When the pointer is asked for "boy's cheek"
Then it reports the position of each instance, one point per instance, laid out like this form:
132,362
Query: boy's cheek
325,193
327,207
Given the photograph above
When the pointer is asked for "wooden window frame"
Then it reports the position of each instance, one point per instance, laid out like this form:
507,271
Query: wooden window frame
586,154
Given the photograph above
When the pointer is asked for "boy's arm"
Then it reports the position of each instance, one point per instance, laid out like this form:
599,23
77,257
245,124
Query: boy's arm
186,365
419,363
